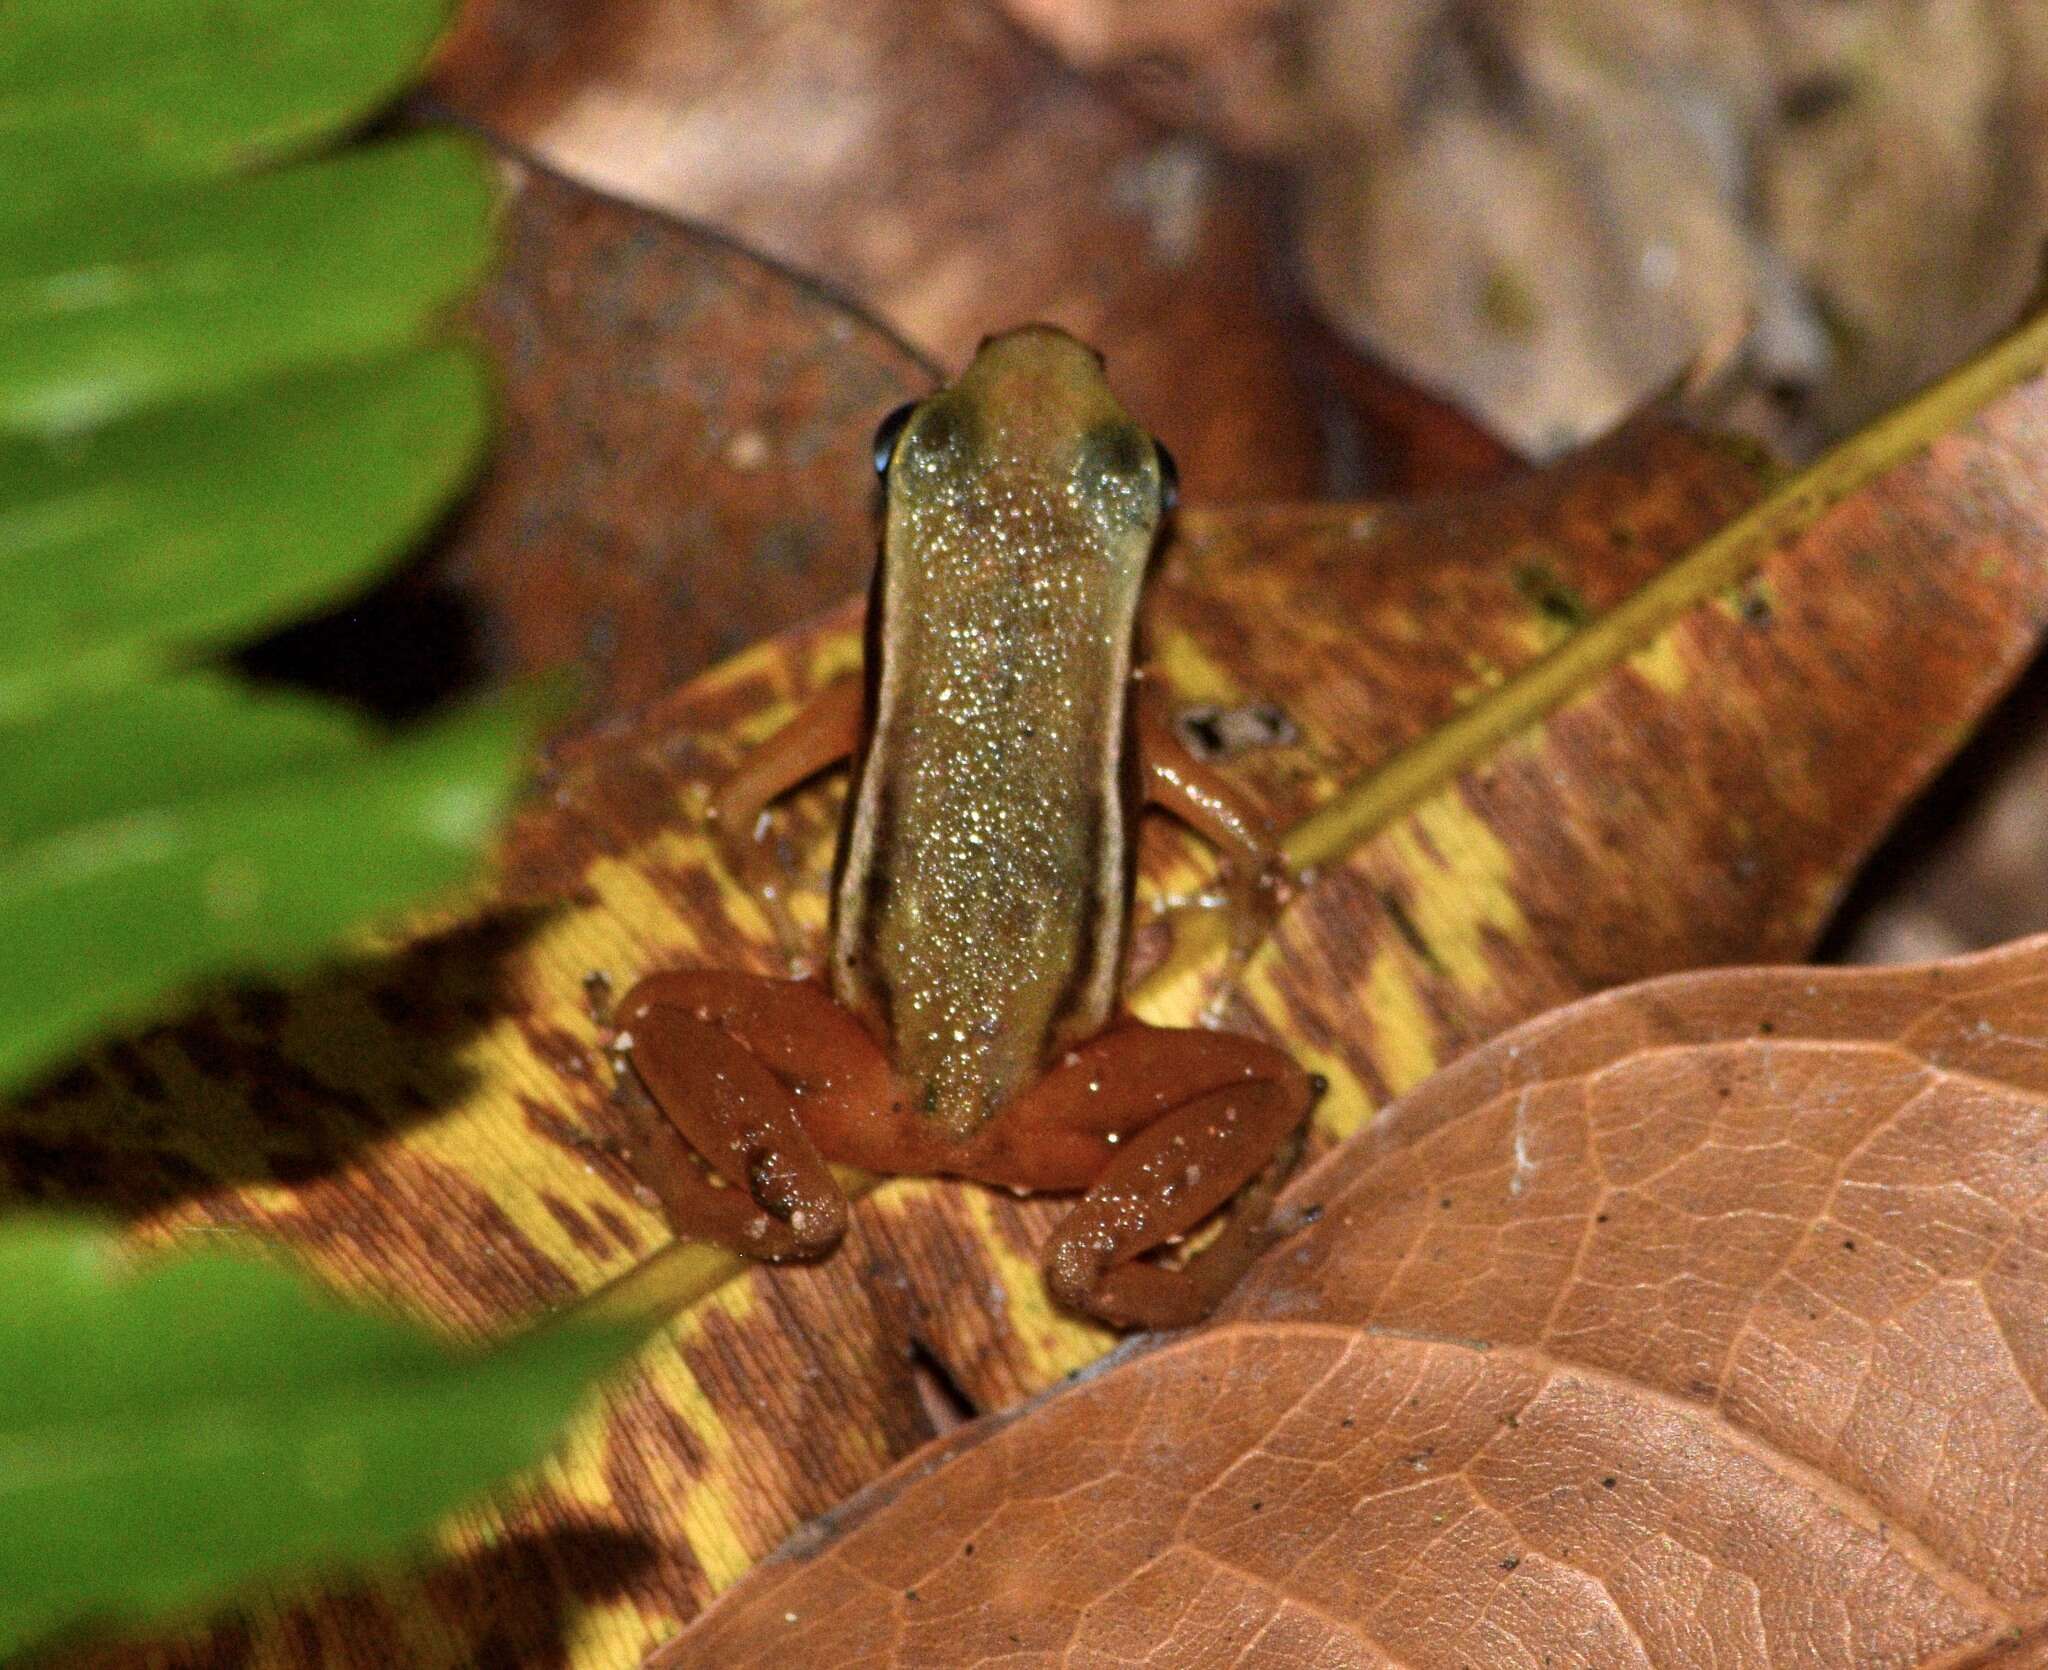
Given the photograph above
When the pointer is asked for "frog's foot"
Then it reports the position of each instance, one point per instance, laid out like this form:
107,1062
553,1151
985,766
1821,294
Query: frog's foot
1195,1122
737,1065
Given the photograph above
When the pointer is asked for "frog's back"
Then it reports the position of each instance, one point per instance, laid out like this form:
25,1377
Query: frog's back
981,910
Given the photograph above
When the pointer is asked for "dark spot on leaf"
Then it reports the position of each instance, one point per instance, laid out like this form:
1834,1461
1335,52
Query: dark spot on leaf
945,1402
138,1078
1811,97
1551,597
1411,935
1508,304
262,1007
1210,732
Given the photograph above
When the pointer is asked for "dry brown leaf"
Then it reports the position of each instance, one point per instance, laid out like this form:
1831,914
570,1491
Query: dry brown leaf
1539,208
1701,1323
1965,871
1103,31
927,158
685,431
683,434
439,1127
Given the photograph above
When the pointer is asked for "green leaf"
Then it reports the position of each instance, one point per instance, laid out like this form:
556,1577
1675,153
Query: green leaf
182,740
217,409
94,92
203,520
102,916
160,295
213,1420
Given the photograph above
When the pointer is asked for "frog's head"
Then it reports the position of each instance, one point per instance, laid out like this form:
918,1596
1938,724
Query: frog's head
1031,422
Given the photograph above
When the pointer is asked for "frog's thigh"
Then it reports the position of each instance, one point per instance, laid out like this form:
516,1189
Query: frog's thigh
1198,1118
743,1067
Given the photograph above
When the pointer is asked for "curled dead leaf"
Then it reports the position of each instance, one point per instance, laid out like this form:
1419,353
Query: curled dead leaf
1702,1322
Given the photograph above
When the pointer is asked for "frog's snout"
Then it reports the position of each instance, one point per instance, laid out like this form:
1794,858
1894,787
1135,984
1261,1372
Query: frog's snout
1041,328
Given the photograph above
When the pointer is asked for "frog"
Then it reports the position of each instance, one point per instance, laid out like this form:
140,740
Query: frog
1002,739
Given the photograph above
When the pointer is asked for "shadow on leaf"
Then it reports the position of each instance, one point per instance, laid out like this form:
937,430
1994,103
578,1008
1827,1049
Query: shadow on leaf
512,1604
263,1084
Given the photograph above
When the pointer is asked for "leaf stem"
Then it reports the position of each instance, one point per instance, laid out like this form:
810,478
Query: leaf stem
672,1279
1413,774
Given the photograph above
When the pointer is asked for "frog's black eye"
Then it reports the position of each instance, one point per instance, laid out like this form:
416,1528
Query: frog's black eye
886,435
1169,477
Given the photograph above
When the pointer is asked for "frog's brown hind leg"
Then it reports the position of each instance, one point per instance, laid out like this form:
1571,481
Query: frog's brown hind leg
740,1065
1193,1121
824,732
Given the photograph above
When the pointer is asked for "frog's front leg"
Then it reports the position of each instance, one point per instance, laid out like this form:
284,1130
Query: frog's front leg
1193,1121
749,1074
824,731
1255,877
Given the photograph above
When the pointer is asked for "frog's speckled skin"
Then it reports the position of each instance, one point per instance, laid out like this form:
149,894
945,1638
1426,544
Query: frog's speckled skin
981,904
